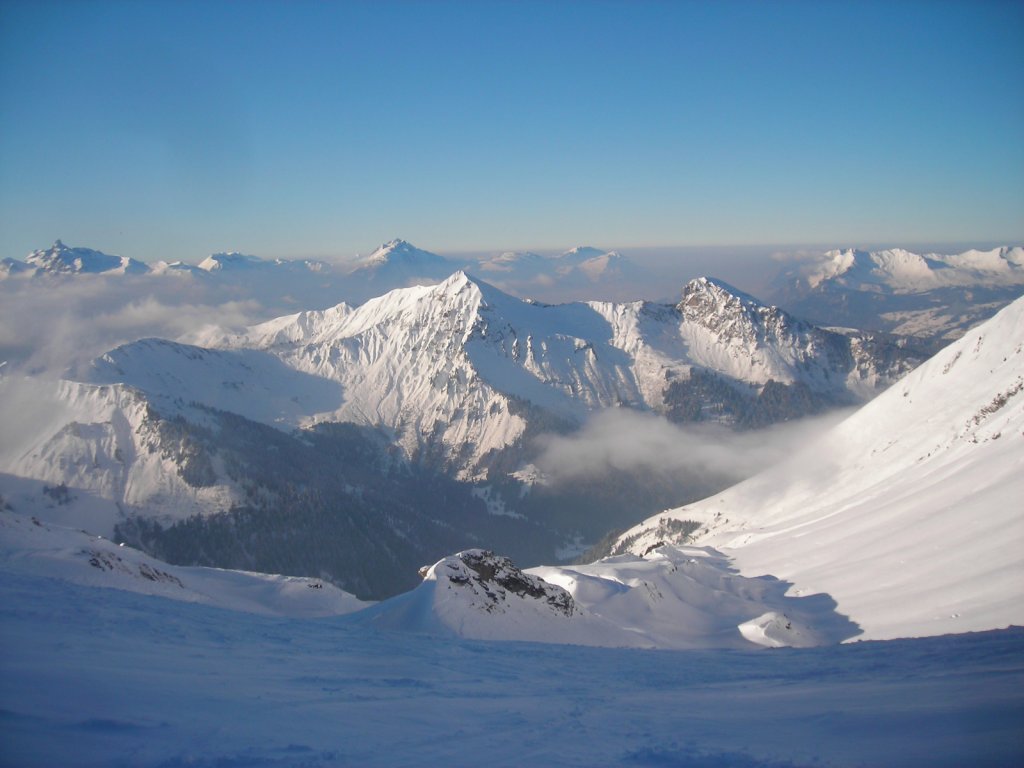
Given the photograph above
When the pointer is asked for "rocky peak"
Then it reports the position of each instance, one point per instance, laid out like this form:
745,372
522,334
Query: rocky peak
718,306
492,583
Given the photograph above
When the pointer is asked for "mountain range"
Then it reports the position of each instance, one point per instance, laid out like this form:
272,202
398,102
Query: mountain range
902,521
933,296
446,386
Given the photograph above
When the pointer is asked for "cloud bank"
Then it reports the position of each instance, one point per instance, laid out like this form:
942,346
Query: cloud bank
623,440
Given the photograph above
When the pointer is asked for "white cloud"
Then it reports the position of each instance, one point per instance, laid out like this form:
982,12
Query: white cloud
632,441
48,326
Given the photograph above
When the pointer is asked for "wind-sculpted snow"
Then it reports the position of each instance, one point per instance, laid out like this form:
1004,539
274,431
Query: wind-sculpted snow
674,598
908,513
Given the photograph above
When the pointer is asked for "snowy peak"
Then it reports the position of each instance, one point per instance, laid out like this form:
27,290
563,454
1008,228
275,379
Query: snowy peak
61,259
230,261
519,265
399,251
396,264
719,307
581,253
607,266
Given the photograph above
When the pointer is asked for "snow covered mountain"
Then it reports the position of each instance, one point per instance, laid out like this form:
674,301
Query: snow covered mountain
395,264
177,269
517,265
234,262
14,268
457,373
449,368
60,259
903,292
409,390
908,513
899,271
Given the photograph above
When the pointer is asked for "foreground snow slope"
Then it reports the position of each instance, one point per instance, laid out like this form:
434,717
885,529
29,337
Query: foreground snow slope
29,547
909,514
94,678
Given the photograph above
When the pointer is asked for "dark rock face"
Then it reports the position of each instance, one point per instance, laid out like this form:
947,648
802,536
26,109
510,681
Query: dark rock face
494,577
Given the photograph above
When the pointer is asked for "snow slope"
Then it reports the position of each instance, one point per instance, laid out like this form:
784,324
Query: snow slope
29,547
104,445
909,513
251,383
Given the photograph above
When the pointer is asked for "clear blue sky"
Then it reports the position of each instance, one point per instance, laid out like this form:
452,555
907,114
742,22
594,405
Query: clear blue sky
170,130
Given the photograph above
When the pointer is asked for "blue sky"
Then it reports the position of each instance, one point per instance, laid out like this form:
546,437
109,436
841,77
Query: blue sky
171,130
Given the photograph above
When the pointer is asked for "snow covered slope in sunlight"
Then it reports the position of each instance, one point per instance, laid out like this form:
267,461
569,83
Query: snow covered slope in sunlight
33,548
91,453
909,514
251,383
677,598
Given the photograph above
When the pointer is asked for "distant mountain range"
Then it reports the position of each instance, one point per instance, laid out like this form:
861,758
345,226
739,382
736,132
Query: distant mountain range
895,290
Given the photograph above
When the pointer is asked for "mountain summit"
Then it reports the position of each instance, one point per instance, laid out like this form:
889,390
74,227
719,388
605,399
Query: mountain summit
62,259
